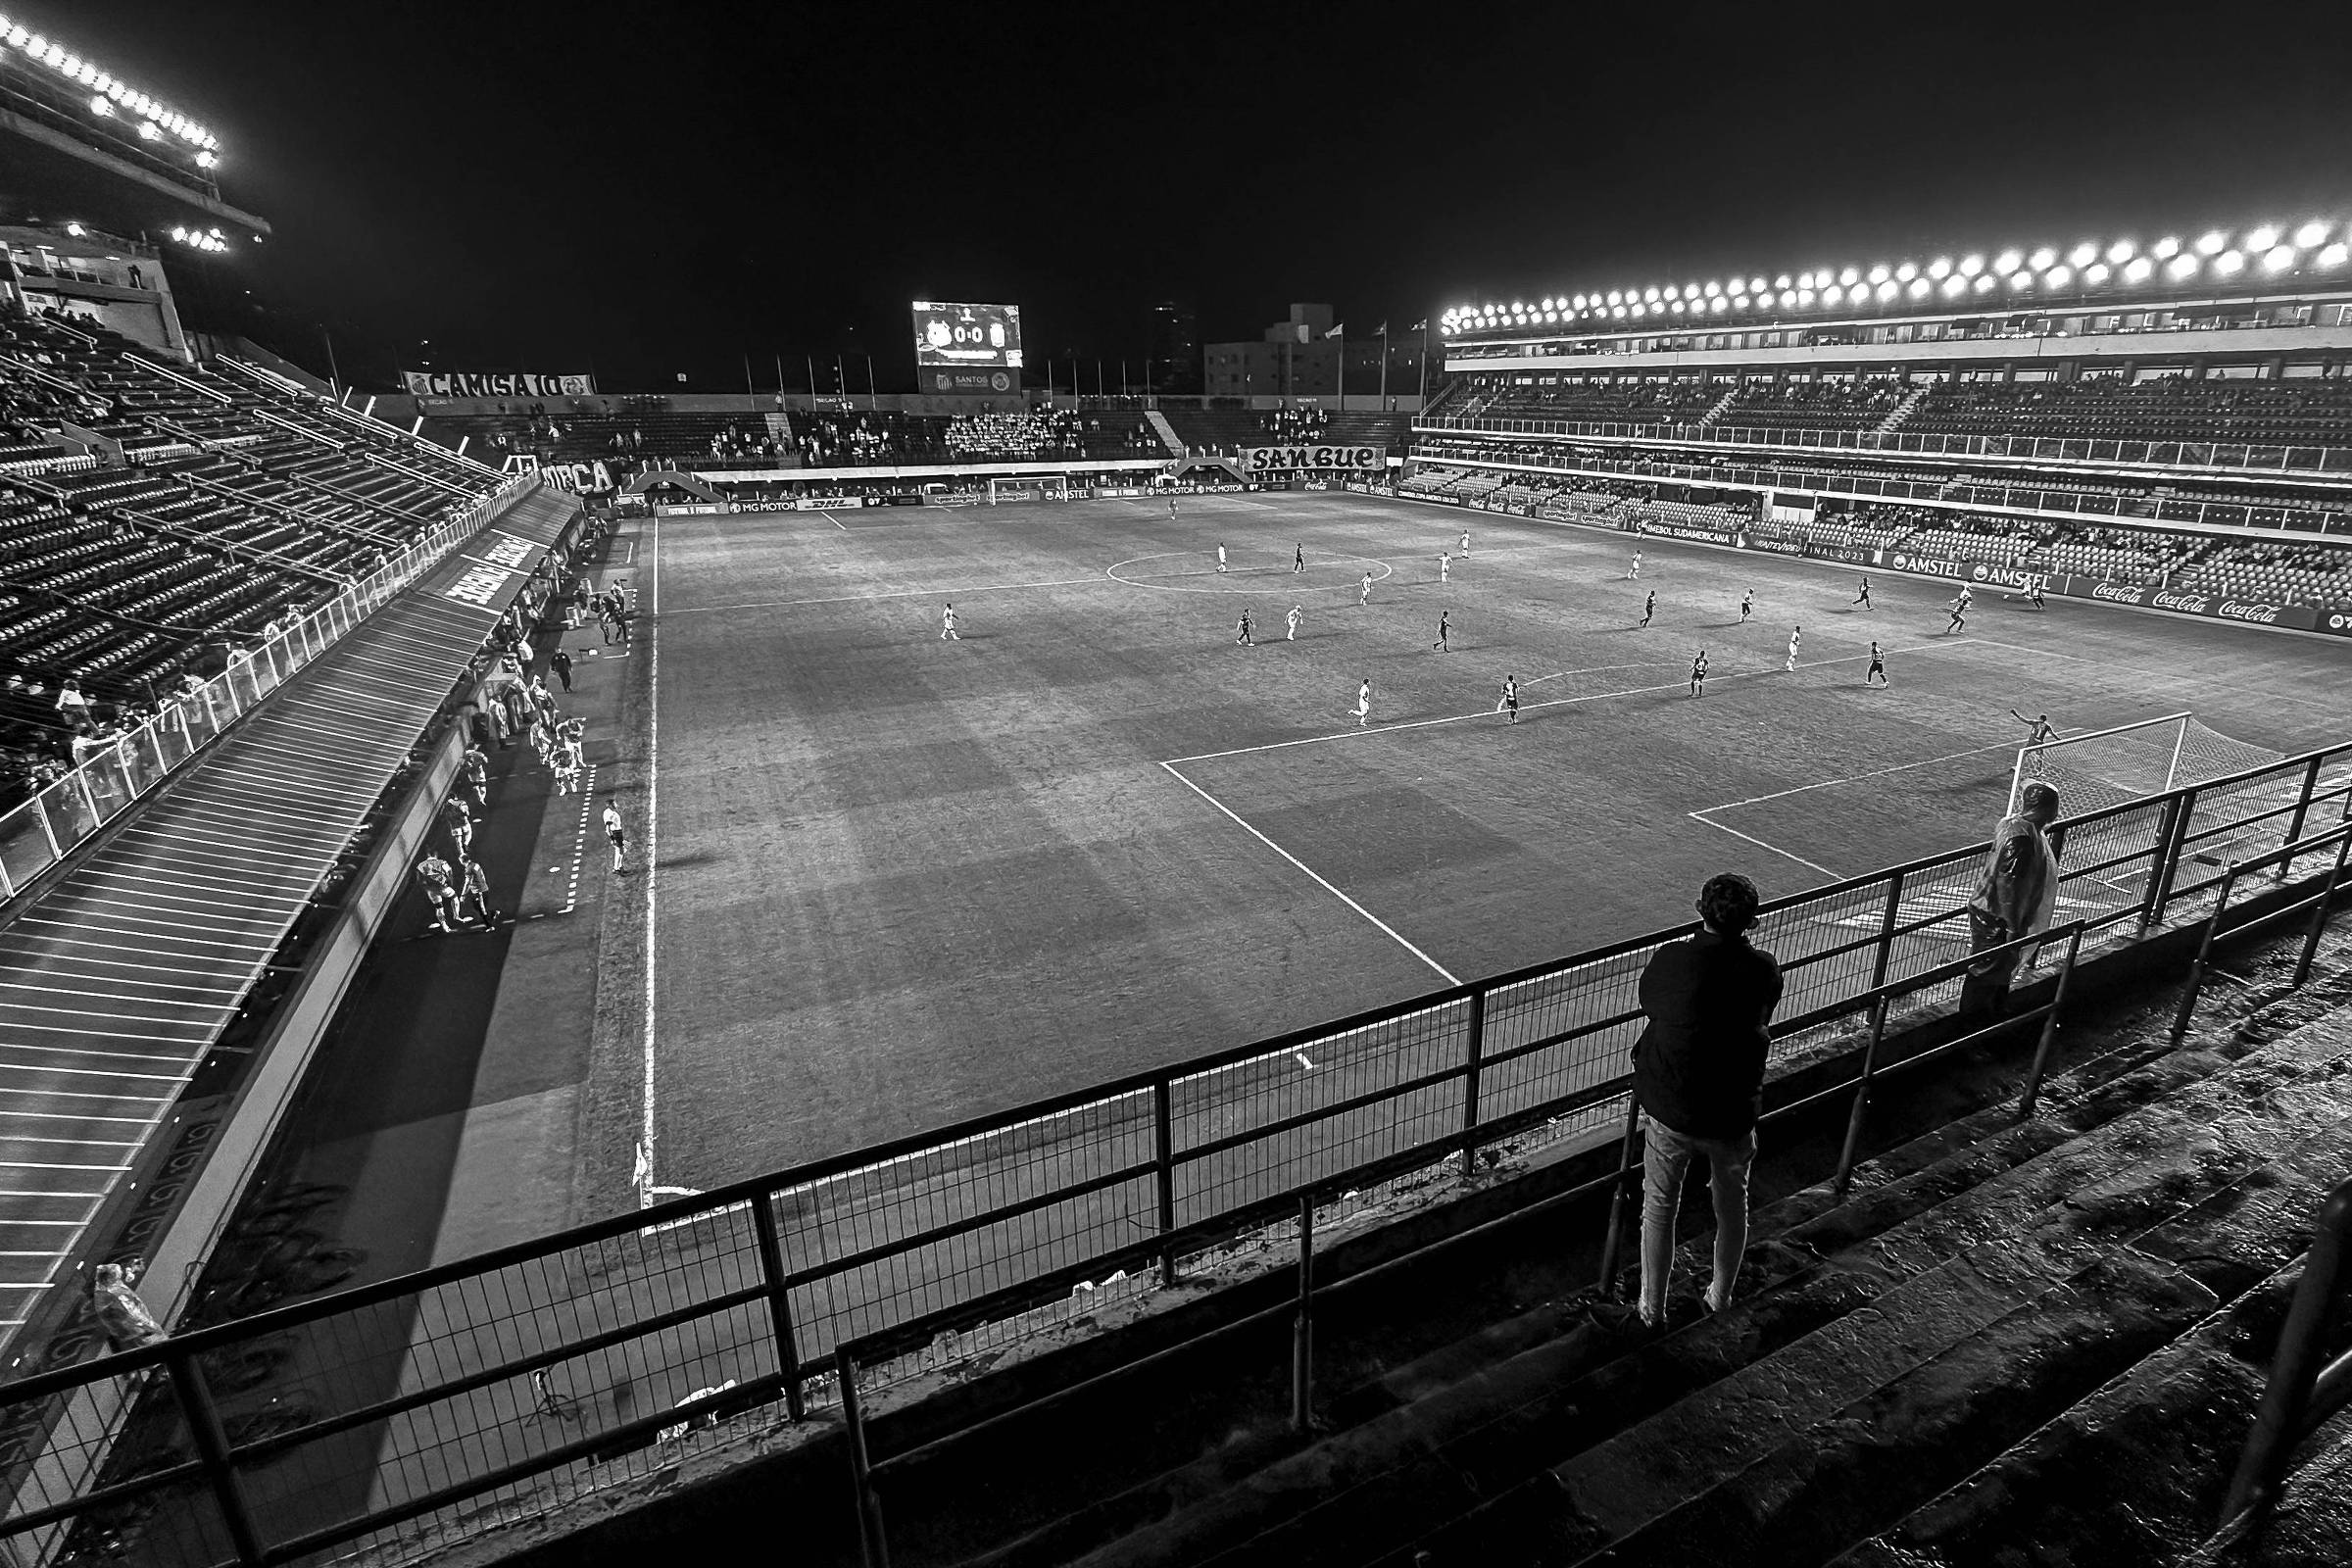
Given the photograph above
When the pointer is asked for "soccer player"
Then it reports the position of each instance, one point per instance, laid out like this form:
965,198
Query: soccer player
1959,614
1465,541
1299,557
1444,630
1220,555
1291,621
1877,666
474,884
2038,731
1363,700
433,872
615,835
1444,565
2034,595
1864,599
1511,699
1968,596
568,767
1171,509
1365,597
1634,575
1241,632
1698,674
947,620
477,771
1747,606
1796,635
1650,606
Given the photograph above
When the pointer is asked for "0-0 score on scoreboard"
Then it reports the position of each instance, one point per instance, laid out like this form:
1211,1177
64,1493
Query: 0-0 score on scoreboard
963,347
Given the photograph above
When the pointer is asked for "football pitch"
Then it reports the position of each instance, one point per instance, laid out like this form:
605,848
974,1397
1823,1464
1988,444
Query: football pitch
903,880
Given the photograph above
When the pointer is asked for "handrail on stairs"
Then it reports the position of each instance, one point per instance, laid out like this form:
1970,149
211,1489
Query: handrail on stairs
2302,1395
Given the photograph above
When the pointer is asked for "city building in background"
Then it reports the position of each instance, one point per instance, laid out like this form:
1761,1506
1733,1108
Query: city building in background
1300,358
1174,348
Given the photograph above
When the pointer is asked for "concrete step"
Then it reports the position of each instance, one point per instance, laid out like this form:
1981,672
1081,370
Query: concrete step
1402,1473
2135,1472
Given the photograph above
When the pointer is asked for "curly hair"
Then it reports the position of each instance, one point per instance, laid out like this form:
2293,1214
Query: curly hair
1729,901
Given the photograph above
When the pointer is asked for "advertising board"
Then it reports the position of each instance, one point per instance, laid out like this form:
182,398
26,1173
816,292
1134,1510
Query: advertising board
497,384
1270,462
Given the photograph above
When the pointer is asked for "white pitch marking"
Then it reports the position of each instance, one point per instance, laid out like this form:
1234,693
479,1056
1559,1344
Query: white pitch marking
653,829
1391,932
1761,843
859,599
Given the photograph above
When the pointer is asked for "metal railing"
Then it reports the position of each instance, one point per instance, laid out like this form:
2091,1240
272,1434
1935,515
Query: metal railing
404,1412
2301,1396
2232,456
121,768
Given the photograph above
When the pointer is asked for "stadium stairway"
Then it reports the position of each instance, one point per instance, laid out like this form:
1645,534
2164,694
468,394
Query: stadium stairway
2016,1342
1165,431
1903,410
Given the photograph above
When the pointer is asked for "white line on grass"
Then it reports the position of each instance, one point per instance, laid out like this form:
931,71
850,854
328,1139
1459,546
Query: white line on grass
652,845
1391,932
1761,845
835,521
899,593
1529,708
1856,778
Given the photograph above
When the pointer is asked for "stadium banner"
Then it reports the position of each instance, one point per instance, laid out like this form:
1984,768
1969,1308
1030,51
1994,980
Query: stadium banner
2336,618
578,478
1772,546
1984,572
951,379
1676,530
498,384
1269,460
2191,602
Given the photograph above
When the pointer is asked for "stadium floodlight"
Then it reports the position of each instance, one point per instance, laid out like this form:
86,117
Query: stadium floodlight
2181,266
2229,263
1849,277
1616,297
1673,292
1714,288
2278,259
2095,273
1940,267
2009,262
1517,306
1784,281
2084,254
1971,264
1551,316
1880,273
1617,310
1756,285
2164,249
1804,280
2311,235
1651,293
1739,288
101,105
2334,255
2020,279
149,130
2120,251
1920,287
1641,309
2059,277
1985,282
1546,305
75,229
2137,269
1719,304
1954,286
1680,307
180,234
1887,290
1906,273
2043,258
1690,289
1787,298
1804,296
2262,239
2213,243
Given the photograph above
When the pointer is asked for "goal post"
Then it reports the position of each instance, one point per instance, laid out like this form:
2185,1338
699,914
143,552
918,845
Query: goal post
1003,487
2105,767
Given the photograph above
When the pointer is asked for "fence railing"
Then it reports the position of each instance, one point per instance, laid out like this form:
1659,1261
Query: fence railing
2047,501
2235,456
120,768
403,1412
2301,1396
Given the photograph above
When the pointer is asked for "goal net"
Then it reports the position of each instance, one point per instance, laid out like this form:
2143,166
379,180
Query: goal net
2131,762
1028,487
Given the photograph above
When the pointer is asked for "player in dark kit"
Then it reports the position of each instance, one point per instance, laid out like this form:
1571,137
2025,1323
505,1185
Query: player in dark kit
1959,614
1444,630
1864,599
1877,666
1698,674
1298,558
1241,632
1650,606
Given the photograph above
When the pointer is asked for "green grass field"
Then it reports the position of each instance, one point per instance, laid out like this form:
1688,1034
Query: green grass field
902,881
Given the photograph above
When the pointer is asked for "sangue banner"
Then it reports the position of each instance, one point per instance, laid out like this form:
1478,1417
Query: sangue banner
1269,460
498,384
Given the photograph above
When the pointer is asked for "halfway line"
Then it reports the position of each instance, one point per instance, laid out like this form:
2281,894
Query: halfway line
906,593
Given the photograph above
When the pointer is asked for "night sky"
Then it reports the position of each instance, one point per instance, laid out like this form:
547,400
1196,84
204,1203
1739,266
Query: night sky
655,189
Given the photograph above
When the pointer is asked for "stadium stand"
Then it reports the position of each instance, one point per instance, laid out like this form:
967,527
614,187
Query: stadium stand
1852,404
2283,573
2309,412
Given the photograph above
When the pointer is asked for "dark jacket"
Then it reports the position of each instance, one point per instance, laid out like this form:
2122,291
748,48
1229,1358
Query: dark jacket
1699,1067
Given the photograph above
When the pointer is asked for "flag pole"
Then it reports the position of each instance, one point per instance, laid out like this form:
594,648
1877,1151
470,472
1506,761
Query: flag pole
1341,333
1384,366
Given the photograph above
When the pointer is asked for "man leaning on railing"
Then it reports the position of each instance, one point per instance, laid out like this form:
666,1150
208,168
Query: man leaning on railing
2016,897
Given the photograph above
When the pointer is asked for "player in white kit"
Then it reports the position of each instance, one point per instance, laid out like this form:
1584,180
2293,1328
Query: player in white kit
1363,700
1796,636
1291,621
1634,575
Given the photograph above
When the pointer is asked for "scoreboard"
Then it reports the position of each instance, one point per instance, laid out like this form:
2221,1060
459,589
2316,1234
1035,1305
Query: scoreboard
967,348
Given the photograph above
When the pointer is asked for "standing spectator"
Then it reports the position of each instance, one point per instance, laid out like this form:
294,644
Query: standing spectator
561,662
1698,1073
122,1316
433,874
2016,897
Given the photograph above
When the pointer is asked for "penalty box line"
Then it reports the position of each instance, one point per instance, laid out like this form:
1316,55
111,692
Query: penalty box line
1385,929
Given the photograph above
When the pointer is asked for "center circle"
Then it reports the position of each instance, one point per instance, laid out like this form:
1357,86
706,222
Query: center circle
1245,570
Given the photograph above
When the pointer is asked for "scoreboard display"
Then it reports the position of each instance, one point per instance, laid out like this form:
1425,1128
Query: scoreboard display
971,337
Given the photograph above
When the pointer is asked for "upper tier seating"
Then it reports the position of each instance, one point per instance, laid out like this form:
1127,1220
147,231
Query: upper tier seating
2296,412
1859,405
